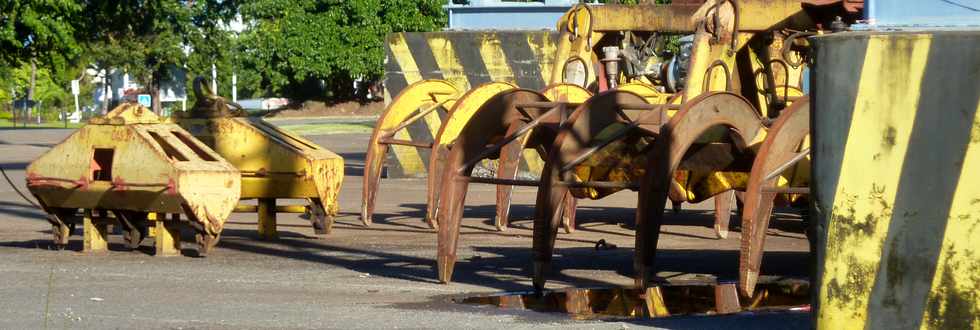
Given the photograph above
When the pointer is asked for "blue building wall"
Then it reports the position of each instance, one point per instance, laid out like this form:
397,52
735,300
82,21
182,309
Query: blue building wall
506,15
922,14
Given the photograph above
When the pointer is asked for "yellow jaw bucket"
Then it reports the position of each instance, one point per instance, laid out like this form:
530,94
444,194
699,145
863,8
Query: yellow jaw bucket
126,167
274,164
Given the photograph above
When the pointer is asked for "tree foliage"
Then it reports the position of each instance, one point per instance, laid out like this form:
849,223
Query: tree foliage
38,30
145,38
319,47
215,42
51,93
304,49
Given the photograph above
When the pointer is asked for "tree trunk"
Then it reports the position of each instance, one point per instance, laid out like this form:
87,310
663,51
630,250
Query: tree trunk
30,90
106,87
155,92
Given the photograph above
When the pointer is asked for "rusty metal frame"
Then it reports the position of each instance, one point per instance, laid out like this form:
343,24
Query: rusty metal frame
507,164
459,117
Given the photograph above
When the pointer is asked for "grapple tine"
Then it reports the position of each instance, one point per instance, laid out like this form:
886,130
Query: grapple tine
434,184
723,213
568,213
785,138
449,222
372,178
510,158
548,213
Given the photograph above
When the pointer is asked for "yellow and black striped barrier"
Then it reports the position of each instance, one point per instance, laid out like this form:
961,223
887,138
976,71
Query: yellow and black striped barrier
465,59
896,149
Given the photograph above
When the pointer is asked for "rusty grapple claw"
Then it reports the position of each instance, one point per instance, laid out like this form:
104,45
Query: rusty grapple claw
717,125
419,102
501,128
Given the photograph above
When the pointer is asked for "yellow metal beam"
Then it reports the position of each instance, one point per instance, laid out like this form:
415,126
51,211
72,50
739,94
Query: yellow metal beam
753,15
659,18
167,235
94,234
279,208
267,218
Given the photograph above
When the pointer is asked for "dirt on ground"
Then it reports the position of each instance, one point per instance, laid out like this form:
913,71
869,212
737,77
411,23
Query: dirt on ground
322,109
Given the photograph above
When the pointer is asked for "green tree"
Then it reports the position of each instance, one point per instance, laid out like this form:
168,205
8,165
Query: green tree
317,48
52,96
216,42
33,33
145,38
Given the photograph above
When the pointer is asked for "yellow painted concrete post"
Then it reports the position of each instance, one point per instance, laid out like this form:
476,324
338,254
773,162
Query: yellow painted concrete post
167,234
95,234
267,218
577,301
63,233
896,150
726,299
654,301
151,219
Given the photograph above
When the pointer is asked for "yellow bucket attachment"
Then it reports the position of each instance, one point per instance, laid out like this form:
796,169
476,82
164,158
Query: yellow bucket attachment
274,164
125,166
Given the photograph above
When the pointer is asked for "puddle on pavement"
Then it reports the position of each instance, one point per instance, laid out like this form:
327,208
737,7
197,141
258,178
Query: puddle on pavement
663,301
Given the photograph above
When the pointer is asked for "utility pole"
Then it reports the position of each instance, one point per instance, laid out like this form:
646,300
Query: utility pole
234,87
106,88
74,91
214,79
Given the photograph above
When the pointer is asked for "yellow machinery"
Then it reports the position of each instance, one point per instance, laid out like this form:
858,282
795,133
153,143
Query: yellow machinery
274,164
738,81
132,168
416,102
707,137
425,97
